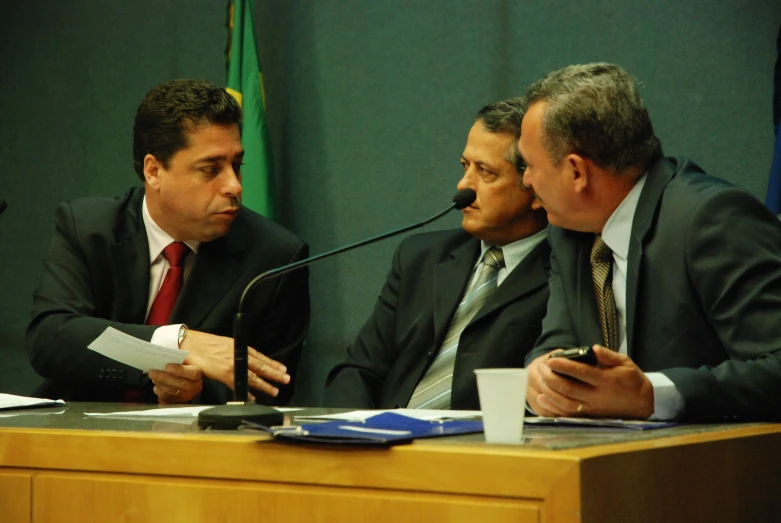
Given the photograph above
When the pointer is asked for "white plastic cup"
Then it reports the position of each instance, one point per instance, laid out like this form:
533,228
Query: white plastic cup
503,403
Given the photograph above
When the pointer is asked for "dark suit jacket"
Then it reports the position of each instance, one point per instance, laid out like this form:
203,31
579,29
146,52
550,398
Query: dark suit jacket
96,275
405,331
703,293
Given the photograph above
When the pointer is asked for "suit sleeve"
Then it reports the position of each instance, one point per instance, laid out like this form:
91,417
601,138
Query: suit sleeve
557,331
65,316
733,254
357,381
278,327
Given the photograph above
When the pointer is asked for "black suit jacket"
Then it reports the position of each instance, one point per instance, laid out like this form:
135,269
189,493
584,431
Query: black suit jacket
703,293
401,338
96,275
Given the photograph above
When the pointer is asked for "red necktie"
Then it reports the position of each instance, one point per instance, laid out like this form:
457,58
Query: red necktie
166,297
163,304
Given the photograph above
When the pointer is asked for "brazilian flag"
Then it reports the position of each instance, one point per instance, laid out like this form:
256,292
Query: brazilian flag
245,83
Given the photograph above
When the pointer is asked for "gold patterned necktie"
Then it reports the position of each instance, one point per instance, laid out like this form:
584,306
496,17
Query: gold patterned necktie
602,275
433,391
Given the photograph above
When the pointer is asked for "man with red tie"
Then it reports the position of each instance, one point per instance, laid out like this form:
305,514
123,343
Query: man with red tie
167,263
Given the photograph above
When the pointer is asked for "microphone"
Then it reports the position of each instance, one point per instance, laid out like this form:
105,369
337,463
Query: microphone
3,205
230,416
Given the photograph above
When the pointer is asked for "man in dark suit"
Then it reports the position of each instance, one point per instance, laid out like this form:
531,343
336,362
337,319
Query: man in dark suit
672,275
167,264
438,317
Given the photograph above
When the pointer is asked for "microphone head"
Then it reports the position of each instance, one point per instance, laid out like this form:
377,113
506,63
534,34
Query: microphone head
464,198
3,205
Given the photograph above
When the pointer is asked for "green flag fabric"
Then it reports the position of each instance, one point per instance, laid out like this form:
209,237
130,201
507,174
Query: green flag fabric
245,83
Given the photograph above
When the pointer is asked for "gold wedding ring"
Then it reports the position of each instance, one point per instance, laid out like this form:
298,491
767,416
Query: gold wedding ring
580,407
177,393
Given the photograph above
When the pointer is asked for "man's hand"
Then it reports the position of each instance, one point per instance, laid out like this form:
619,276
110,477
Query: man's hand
214,356
178,384
615,389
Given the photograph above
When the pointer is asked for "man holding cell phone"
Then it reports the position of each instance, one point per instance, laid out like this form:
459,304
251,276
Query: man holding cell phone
670,278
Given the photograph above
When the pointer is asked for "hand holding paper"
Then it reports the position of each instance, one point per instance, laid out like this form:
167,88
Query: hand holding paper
140,354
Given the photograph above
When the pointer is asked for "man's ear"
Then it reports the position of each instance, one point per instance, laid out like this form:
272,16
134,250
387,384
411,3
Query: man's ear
152,171
579,172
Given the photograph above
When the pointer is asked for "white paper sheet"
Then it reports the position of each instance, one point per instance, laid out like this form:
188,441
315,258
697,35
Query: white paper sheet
10,401
140,354
422,414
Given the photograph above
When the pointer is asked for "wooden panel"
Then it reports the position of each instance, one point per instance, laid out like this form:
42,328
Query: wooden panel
466,469
726,481
15,500
74,497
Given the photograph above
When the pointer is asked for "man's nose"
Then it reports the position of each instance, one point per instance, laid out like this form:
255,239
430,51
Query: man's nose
527,179
232,184
466,181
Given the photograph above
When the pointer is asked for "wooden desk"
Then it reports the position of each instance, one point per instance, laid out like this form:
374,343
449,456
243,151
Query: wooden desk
64,475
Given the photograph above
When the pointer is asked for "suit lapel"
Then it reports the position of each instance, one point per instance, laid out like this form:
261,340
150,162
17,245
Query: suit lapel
658,178
130,266
530,274
130,263
450,279
215,271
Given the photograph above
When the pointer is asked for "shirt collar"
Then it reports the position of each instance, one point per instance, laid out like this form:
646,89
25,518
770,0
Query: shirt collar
158,238
618,228
515,252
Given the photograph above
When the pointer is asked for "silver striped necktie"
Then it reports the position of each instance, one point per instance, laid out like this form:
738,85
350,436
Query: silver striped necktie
433,391
602,274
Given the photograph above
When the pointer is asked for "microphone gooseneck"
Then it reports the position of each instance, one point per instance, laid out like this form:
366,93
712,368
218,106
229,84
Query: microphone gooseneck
462,199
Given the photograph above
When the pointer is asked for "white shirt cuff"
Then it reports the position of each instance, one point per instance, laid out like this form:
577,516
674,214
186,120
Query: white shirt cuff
167,336
668,402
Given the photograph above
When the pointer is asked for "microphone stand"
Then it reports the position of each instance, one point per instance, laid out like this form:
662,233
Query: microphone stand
230,416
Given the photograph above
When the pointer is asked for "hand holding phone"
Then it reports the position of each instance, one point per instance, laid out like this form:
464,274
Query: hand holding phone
580,354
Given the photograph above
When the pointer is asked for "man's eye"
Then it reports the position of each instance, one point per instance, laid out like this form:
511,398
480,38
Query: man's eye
211,169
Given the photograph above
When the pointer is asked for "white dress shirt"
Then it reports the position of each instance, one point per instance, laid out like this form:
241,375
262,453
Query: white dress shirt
668,402
514,253
166,335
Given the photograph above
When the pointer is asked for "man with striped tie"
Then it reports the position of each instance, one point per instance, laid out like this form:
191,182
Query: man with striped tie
672,276
457,300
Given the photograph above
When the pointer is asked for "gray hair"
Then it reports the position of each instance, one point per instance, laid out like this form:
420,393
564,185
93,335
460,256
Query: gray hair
595,110
506,117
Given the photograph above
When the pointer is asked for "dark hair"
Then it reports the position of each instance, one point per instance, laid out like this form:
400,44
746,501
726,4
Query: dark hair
595,110
506,117
174,108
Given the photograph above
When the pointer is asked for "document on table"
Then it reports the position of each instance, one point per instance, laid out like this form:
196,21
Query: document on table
10,401
600,422
420,414
140,354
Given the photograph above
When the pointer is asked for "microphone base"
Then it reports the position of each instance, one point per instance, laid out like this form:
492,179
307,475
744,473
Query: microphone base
229,417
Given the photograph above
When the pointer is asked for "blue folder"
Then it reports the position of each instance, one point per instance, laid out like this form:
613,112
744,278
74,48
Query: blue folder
382,430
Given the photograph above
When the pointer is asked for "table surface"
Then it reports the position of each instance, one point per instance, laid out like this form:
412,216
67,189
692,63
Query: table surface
72,416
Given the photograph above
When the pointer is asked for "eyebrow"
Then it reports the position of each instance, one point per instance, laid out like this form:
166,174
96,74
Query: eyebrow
219,158
481,164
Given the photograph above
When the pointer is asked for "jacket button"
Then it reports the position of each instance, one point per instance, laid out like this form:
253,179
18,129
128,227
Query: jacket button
101,373
121,374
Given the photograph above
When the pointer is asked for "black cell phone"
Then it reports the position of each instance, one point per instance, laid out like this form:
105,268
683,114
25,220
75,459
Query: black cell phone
581,354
